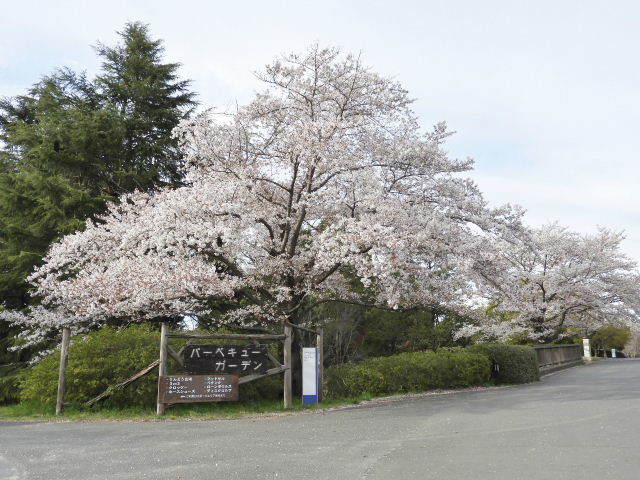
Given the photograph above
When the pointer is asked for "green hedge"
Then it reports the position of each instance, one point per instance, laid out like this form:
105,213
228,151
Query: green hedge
515,363
407,372
109,356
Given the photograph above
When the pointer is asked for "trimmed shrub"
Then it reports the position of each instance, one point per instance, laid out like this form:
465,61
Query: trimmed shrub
515,363
110,356
408,372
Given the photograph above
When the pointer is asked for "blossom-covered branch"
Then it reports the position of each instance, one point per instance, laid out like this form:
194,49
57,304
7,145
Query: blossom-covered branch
324,180
554,279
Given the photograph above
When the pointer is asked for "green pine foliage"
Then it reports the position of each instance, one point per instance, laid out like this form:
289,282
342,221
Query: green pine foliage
70,144
151,99
48,183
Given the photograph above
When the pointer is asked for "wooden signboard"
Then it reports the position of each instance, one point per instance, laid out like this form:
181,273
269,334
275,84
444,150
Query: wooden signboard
197,388
226,359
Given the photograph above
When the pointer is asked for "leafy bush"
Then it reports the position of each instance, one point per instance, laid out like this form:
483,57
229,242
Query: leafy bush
9,388
110,356
101,359
515,363
408,372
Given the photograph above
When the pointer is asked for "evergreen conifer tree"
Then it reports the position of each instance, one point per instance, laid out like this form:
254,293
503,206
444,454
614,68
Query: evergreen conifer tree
150,98
70,144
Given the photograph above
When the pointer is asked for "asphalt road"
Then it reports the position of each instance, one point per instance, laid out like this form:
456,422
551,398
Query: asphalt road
581,423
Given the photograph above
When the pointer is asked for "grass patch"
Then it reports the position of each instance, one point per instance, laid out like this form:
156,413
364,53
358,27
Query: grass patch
189,411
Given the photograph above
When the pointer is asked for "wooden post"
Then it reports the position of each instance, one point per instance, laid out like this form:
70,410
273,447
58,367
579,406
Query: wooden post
288,373
320,347
64,356
162,367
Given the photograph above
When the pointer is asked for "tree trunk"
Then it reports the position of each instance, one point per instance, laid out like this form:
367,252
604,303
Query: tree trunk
296,364
296,357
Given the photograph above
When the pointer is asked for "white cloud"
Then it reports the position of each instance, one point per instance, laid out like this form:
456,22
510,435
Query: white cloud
581,206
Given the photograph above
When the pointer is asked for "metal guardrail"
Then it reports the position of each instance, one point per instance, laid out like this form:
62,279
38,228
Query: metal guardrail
551,355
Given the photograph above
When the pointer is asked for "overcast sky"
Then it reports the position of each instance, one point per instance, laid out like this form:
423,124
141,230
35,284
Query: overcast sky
544,95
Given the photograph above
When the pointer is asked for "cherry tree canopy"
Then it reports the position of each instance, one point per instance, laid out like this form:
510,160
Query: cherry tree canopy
322,182
554,279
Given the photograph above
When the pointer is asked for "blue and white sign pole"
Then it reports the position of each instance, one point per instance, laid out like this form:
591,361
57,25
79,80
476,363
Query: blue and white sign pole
310,375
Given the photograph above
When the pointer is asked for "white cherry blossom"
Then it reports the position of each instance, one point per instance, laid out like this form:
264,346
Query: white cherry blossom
553,279
325,180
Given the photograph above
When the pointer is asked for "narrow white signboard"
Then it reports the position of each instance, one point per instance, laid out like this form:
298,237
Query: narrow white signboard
309,376
587,349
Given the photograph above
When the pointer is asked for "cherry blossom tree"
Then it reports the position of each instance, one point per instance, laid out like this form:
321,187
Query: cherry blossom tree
322,188
554,279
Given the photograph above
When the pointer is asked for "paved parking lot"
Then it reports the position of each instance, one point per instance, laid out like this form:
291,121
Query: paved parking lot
579,423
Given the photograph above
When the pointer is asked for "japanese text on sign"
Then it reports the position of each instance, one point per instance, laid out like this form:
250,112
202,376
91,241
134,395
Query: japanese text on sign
229,359
198,388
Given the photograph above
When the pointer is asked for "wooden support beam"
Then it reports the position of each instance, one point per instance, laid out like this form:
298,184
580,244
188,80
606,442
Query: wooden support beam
228,336
162,371
269,355
268,373
62,372
288,394
111,390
